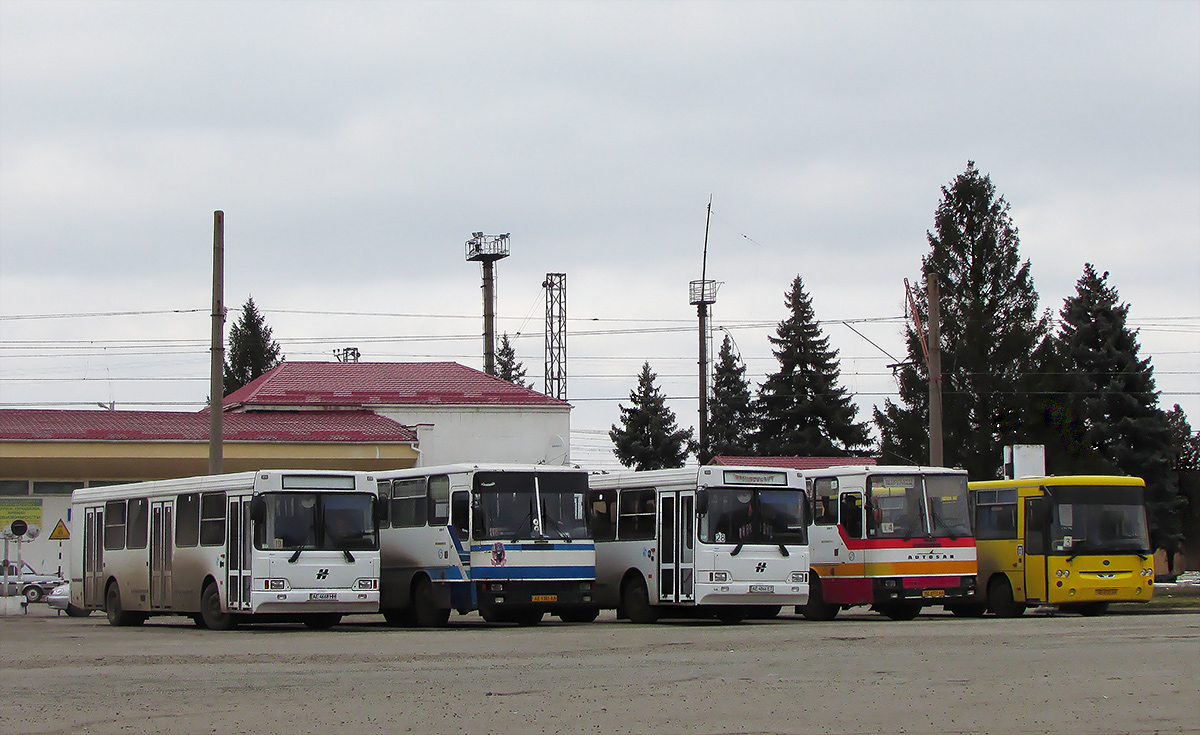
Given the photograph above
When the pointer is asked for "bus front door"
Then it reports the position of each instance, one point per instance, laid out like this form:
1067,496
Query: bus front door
676,558
237,555
161,539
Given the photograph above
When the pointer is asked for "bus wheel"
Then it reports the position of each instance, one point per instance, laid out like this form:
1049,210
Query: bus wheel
322,621
77,612
579,614
899,610
112,608
528,618
967,609
637,602
210,610
1000,599
816,608
428,614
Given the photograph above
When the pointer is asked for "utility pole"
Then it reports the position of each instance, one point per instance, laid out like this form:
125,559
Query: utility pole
556,335
216,369
936,457
701,294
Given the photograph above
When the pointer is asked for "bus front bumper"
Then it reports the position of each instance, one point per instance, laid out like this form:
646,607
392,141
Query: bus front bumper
924,590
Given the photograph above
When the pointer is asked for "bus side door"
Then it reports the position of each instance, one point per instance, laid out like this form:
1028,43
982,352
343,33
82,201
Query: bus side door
93,557
162,537
676,561
1037,525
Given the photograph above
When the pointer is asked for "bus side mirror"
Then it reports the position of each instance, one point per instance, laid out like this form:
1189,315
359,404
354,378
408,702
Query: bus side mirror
381,509
702,501
258,509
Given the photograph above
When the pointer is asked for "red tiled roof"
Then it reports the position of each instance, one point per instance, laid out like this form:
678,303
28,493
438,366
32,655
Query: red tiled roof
795,463
292,426
355,384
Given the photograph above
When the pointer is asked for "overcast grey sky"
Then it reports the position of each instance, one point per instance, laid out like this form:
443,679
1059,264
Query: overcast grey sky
355,146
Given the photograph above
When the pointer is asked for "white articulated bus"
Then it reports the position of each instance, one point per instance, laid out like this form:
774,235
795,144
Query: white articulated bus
728,542
510,541
253,546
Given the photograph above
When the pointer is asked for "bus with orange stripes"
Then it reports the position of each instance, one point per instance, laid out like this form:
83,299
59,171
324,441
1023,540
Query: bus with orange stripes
896,538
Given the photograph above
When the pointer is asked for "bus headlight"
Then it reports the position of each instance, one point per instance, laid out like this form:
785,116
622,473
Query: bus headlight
1062,573
1147,572
798,577
366,583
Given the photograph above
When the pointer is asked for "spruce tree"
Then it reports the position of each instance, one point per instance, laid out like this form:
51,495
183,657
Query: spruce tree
801,408
507,366
647,438
1116,402
990,331
730,411
252,352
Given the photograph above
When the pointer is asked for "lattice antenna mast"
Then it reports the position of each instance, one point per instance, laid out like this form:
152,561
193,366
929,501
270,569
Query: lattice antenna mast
702,293
556,335
487,249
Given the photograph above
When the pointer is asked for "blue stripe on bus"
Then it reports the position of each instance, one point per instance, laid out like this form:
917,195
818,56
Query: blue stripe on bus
531,546
519,573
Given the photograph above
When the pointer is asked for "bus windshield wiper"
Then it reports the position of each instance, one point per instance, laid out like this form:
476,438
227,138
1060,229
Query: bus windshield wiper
783,550
736,550
295,556
349,557
554,524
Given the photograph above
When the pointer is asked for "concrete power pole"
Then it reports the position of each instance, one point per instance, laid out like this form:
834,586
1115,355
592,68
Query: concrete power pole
216,369
487,249
936,457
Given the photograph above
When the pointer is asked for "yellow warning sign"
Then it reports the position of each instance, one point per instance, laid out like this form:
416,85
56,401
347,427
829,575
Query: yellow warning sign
60,532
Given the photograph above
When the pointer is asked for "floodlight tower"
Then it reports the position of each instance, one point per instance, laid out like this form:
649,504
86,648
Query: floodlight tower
556,335
487,249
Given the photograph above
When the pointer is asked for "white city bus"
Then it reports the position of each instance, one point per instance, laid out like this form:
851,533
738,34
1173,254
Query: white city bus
510,541
253,546
728,542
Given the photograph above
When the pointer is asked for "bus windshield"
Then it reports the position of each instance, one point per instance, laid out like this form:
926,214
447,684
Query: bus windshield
1099,528
514,505
907,506
754,516
321,521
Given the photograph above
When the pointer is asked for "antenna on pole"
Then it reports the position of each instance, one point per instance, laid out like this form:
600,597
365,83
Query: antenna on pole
702,293
487,249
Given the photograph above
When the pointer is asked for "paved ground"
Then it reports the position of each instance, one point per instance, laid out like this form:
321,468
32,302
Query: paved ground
1122,673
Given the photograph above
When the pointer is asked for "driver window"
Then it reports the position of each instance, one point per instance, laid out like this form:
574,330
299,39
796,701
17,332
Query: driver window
851,514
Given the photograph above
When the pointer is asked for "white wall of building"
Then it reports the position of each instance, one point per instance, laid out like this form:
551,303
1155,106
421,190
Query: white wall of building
487,434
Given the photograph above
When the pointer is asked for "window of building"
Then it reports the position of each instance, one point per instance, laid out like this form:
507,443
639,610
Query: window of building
41,487
14,487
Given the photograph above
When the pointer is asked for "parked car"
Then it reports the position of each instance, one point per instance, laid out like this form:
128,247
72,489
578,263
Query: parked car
60,599
26,581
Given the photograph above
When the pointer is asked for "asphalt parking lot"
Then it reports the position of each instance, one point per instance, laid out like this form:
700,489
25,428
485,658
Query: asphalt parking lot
861,673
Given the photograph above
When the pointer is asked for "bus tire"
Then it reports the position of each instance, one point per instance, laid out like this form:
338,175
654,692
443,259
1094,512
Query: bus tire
1000,599
210,610
899,610
116,614
322,621
77,612
579,614
400,617
816,608
425,609
635,599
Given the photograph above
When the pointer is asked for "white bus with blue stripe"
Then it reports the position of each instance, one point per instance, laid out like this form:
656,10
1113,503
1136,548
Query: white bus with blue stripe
509,541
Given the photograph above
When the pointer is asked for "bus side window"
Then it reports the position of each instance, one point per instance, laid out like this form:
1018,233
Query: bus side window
851,514
408,503
212,519
825,498
460,505
602,514
137,529
439,500
114,525
384,488
1037,522
635,515
187,520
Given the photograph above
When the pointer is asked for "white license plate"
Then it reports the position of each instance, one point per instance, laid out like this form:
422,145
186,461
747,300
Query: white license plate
762,588
322,596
